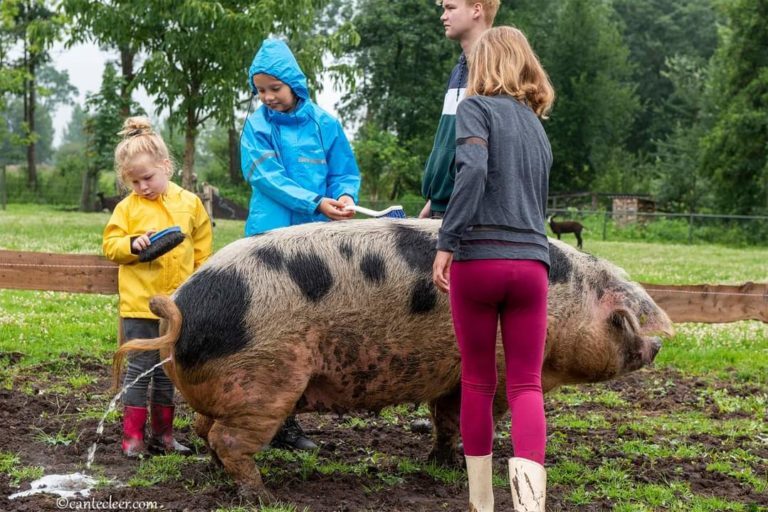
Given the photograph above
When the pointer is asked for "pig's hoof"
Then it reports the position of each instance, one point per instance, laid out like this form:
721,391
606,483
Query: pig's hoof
421,426
444,457
215,459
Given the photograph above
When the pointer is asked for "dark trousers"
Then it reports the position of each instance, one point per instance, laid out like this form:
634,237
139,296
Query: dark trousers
140,362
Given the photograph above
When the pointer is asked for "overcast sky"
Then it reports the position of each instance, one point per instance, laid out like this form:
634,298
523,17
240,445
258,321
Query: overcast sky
85,64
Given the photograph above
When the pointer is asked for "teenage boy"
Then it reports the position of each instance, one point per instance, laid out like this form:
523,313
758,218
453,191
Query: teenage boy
464,21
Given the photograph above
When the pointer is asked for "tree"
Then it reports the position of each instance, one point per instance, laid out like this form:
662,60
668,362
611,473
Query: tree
403,62
196,68
104,121
386,165
735,152
679,184
656,31
13,147
121,25
10,77
596,104
37,27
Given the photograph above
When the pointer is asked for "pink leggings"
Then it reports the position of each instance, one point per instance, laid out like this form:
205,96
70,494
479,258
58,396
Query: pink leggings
481,292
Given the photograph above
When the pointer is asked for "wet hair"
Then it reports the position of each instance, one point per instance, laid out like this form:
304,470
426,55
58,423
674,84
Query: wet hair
503,62
139,139
490,8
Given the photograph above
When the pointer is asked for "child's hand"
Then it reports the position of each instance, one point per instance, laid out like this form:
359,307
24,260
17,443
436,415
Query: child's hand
441,270
142,242
334,209
348,204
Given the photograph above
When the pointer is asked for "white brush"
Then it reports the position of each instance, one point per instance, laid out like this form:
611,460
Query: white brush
395,212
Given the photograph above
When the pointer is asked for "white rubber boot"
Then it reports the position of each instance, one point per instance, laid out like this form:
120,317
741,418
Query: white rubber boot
528,480
480,476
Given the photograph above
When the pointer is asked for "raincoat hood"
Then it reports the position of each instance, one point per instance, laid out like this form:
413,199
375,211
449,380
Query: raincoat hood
276,59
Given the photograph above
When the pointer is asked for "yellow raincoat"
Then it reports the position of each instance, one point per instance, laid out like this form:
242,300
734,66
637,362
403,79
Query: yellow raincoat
134,216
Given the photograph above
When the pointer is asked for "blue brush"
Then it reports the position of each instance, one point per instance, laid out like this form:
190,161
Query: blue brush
393,212
161,242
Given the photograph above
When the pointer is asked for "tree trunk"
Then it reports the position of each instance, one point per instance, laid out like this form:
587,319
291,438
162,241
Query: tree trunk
86,193
127,59
235,176
188,177
3,193
29,118
395,189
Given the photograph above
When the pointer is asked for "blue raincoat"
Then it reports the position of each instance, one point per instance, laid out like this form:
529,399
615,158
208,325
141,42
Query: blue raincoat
292,160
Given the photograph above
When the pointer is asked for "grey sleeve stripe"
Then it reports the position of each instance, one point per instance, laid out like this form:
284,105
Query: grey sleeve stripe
305,160
268,154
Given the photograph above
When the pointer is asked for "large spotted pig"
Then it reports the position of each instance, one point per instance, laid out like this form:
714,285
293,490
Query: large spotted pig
344,316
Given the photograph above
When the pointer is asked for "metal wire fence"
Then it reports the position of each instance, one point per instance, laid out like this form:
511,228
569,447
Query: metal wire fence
686,228
696,228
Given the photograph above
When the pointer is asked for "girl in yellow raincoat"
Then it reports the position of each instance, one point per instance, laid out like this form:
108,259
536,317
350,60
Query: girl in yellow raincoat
144,165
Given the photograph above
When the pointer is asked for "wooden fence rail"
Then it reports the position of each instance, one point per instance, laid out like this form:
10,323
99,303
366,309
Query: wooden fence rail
77,273
80,273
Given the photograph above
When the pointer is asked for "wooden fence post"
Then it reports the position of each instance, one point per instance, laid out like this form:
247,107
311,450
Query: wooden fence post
690,229
3,193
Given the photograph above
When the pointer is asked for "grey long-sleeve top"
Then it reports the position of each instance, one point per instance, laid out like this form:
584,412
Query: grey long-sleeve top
498,206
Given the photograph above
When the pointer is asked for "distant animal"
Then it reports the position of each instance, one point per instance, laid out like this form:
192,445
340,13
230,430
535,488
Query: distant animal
106,203
568,226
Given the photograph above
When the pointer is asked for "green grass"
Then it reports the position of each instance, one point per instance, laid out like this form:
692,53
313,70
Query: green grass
47,229
60,438
684,264
736,350
10,464
158,469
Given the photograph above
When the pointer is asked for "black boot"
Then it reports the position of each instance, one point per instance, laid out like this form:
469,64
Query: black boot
292,437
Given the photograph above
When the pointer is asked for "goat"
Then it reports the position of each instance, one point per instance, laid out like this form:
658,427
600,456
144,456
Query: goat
568,226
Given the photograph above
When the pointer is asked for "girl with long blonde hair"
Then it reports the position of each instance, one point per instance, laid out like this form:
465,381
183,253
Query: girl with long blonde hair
493,258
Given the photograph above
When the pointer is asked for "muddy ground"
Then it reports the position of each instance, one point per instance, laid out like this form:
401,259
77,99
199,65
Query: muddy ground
38,402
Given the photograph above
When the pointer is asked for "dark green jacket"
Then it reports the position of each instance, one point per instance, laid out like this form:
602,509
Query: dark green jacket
441,166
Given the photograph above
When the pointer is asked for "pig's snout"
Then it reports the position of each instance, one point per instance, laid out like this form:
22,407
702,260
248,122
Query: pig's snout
655,346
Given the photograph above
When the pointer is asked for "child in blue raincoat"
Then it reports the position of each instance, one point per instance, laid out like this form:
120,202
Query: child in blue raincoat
298,162
294,155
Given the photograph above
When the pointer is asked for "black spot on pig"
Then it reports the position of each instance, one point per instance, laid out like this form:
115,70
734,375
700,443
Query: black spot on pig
271,257
346,250
423,297
213,305
560,270
416,248
373,268
311,274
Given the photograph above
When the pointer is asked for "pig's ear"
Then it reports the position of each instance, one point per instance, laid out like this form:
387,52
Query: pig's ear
623,319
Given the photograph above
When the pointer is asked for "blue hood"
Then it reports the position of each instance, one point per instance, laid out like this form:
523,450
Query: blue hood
276,59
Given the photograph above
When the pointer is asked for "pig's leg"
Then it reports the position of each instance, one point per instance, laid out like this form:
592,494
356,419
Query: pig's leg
237,438
445,420
235,448
202,427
